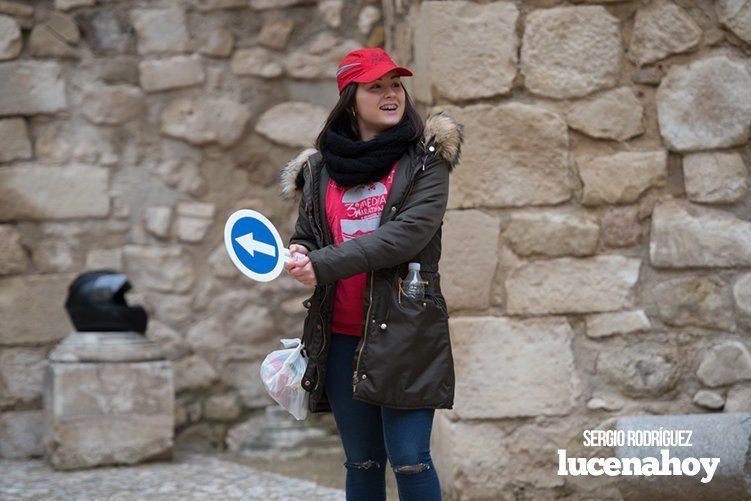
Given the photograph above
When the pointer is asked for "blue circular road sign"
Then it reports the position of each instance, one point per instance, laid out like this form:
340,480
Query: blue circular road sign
254,245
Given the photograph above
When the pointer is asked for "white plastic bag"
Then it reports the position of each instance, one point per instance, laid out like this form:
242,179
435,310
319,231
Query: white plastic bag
282,372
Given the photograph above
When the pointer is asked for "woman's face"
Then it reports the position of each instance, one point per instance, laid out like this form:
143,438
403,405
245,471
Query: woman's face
369,99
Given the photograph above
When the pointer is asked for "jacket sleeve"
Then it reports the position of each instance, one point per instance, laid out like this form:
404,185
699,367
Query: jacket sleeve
303,233
396,241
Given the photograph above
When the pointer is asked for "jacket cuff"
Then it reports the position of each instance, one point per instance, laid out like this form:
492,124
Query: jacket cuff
321,279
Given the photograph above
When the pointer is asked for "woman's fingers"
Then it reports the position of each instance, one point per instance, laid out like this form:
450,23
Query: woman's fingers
301,270
301,263
295,252
304,274
299,248
294,264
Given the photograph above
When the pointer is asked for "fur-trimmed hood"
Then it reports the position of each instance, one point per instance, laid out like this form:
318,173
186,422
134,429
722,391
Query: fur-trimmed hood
441,131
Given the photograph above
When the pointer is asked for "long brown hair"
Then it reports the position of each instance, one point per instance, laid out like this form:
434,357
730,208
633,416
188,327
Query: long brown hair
342,120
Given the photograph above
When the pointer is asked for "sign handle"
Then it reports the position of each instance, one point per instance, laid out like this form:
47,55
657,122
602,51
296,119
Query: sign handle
286,257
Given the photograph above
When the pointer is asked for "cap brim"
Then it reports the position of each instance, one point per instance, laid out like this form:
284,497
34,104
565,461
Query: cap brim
378,72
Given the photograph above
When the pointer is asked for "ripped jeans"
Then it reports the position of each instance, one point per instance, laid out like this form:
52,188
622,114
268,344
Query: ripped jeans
371,433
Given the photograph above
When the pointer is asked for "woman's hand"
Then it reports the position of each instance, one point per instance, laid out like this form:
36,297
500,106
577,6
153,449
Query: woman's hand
301,269
297,248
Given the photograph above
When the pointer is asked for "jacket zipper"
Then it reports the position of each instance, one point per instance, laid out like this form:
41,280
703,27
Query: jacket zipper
412,183
364,333
370,302
323,345
325,293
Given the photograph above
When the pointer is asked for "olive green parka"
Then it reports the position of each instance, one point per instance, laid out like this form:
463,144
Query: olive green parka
404,358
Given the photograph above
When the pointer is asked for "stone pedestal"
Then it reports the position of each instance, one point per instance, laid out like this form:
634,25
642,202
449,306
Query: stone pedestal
108,399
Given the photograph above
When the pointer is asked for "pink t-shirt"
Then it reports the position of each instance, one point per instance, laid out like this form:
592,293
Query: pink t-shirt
352,212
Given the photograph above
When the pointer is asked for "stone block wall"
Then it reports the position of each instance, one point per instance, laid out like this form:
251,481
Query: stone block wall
129,131
597,246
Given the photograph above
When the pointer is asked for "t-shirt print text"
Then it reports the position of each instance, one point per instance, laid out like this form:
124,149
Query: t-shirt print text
363,205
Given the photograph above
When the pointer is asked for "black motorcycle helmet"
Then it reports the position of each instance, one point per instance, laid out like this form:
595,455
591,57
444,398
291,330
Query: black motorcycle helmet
96,302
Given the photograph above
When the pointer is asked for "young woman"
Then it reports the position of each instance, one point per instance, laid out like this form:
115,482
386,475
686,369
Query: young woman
373,195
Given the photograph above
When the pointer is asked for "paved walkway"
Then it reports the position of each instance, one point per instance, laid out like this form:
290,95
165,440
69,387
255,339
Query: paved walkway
189,476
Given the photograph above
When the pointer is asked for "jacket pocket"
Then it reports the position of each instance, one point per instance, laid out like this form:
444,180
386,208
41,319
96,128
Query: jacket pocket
438,299
431,296
408,359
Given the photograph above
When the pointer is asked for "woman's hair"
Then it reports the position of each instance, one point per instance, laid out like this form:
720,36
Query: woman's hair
342,120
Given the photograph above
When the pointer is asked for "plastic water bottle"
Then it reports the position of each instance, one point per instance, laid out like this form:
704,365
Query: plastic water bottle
413,287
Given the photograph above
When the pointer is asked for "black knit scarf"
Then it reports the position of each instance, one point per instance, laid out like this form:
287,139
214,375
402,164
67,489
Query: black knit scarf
350,163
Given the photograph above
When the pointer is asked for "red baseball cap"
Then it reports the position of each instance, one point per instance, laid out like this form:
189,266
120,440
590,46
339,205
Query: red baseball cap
366,65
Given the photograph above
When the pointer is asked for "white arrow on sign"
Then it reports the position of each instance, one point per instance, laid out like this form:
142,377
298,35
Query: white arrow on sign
252,246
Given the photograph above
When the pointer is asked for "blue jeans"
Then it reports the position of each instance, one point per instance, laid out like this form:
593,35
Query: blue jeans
371,433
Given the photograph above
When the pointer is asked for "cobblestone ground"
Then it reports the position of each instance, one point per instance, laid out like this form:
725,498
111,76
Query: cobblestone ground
323,469
189,476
